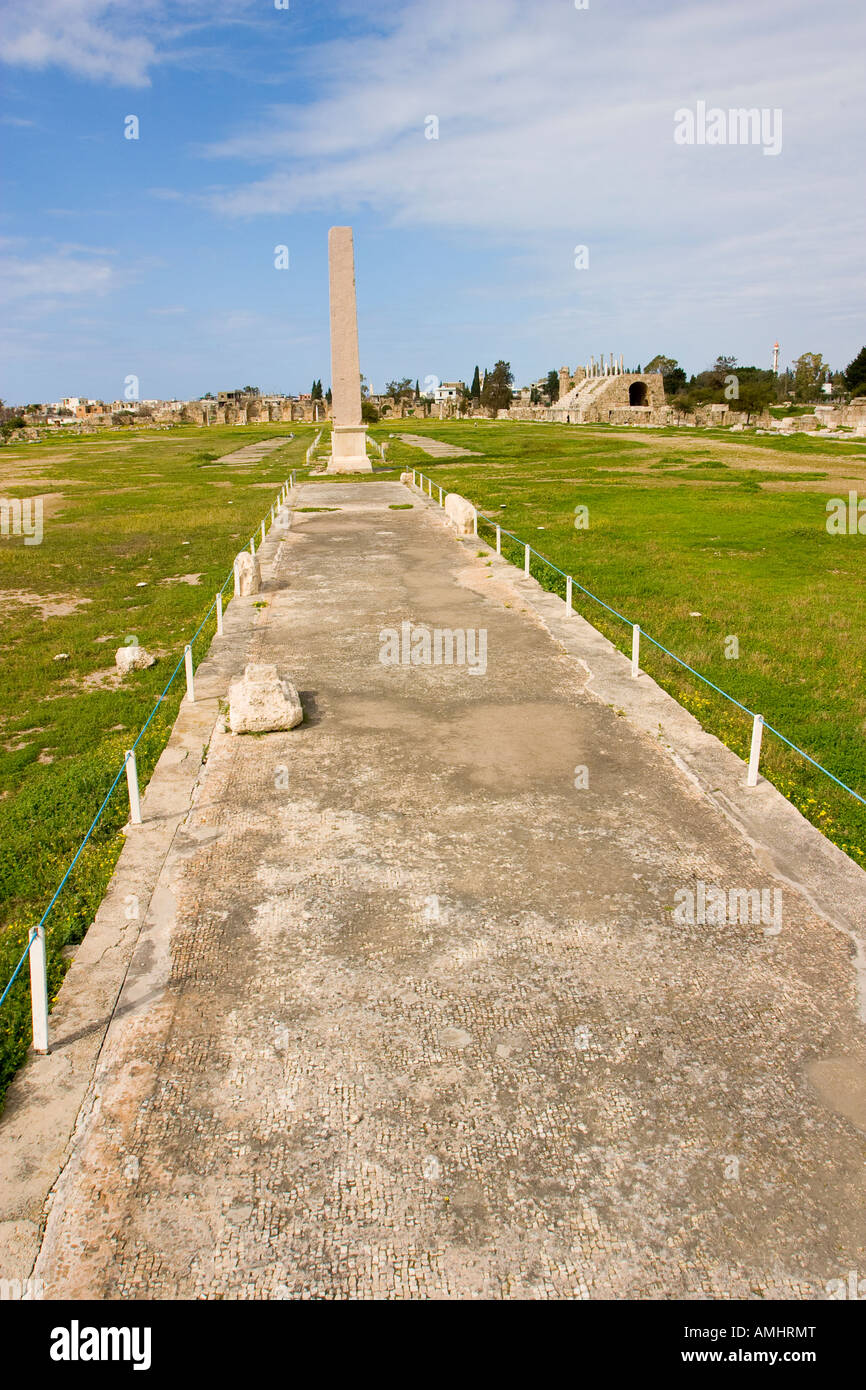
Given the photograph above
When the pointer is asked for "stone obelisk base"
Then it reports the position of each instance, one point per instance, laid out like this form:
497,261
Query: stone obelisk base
349,450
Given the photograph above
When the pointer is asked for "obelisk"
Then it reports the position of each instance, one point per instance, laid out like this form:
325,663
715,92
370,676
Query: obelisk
348,433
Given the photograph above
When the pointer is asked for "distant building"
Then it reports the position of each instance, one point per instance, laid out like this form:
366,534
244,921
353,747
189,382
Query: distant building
448,392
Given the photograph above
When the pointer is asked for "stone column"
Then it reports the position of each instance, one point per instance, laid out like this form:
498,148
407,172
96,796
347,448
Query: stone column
349,435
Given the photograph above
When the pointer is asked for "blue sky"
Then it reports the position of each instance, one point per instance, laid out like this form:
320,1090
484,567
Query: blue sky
262,126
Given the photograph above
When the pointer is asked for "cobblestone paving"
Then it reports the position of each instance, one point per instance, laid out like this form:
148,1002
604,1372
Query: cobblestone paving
438,448
417,1019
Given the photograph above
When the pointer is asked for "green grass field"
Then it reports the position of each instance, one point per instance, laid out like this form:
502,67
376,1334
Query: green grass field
140,530
680,522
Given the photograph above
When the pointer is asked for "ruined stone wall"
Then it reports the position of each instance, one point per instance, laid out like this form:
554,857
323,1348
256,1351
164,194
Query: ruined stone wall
597,400
850,415
615,394
525,412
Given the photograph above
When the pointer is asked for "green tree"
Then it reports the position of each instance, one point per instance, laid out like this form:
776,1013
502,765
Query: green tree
855,374
369,413
534,397
673,376
755,392
496,393
400,389
552,386
723,366
809,369
475,388
316,393
10,419
662,364
683,403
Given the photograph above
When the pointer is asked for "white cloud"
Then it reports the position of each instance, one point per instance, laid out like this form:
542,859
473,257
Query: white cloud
97,39
113,41
43,280
550,119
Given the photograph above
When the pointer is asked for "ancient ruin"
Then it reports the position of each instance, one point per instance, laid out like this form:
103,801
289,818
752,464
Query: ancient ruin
602,392
348,433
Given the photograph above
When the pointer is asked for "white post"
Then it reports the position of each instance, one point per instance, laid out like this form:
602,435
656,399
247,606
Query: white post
263,531
252,545
526,559
430,480
39,990
474,522
272,516
132,785
499,540
441,503
414,479
755,753
568,587
190,682
635,651
219,613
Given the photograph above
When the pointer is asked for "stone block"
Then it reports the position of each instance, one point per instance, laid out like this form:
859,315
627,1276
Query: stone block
248,574
461,513
263,702
132,659
406,478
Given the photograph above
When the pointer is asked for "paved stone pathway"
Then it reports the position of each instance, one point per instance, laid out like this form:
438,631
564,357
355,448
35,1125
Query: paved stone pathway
255,452
437,448
411,1015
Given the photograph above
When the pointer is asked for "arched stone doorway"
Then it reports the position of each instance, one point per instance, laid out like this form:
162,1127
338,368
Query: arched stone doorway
637,393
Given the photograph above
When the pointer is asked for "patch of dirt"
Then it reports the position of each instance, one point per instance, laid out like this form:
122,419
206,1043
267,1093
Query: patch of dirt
183,578
107,679
38,458
50,605
35,486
